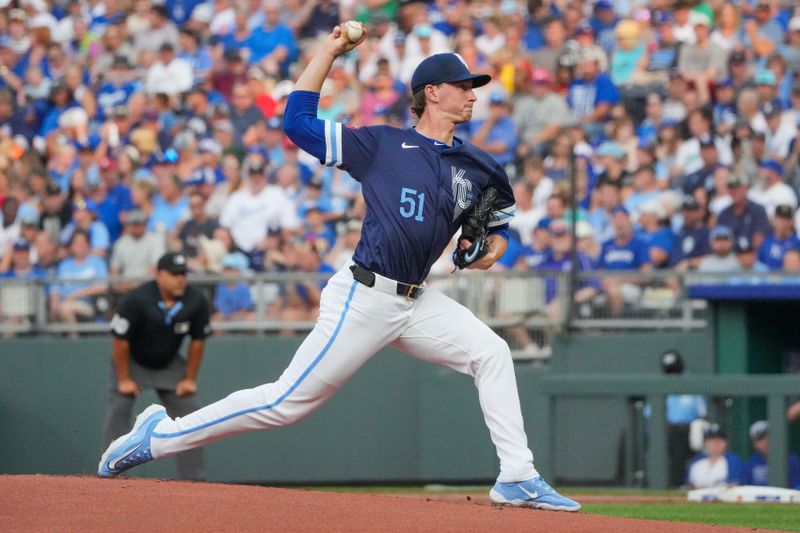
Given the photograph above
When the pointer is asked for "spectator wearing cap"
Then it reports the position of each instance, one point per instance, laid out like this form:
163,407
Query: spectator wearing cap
611,158
723,110
232,300
782,239
558,258
780,133
540,115
702,62
256,207
603,22
656,233
722,259
169,74
703,178
716,466
170,205
693,239
117,87
84,218
272,46
771,190
625,251
739,71
591,95
766,83
243,114
688,158
496,134
756,469
198,225
16,301
664,54
135,254
748,261
82,279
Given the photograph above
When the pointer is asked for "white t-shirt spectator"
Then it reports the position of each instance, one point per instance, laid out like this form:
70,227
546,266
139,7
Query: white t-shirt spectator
248,217
778,194
175,77
133,258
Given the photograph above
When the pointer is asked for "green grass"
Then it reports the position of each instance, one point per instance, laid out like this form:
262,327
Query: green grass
767,516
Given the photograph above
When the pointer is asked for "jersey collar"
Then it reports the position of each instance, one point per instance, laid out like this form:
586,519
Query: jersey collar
438,145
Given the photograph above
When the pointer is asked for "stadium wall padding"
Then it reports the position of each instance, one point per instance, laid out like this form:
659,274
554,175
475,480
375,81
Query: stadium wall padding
398,420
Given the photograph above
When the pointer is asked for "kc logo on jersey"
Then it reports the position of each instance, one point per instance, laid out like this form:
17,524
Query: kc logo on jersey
462,191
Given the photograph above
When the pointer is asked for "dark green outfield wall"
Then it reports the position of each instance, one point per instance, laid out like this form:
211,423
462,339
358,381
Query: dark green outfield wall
397,420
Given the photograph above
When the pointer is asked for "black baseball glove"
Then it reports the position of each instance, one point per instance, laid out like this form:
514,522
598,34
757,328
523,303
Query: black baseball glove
474,230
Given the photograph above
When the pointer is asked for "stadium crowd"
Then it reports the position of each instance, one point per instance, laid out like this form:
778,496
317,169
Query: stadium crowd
129,127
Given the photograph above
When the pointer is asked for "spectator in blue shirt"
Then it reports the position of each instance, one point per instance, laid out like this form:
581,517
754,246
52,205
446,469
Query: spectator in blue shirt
273,45
603,22
624,252
83,278
232,299
496,134
783,238
84,217
656,234
592,94
170,206
756,468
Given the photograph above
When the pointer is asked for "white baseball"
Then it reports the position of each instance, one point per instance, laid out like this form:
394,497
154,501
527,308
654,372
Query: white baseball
354,31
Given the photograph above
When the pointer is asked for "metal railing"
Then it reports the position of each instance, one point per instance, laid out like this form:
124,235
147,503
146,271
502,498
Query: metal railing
533,305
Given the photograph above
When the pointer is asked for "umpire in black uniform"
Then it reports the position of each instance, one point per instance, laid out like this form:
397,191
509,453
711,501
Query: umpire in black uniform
148,330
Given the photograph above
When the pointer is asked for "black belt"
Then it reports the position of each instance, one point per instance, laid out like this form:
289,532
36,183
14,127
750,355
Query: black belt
371,279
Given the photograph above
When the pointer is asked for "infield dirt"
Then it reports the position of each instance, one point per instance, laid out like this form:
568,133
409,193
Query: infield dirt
54,503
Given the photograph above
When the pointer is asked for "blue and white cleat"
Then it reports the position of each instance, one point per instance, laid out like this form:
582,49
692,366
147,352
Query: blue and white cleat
133,448
535,493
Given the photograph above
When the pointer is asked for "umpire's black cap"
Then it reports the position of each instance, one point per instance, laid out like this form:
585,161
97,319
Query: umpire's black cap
672,362
445,68
172,262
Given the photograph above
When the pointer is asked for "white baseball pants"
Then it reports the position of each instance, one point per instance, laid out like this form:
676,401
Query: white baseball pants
355,321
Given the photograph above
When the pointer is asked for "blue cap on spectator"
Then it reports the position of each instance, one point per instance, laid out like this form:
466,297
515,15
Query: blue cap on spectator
165,157
209,146
668,123
260,150
771,109
727,83
21,244
721,232
202,176
759,429
620,209
662,16
714,431
423,31
445,68
765,77
604,4
772,165
544,223
274,123
497,97
83,146
610,149
85,204
584,28
237,261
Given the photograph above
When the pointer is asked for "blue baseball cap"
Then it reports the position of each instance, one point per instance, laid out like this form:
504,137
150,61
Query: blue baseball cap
721,232
21,244
611,149
85,203
620,209
772,165
544,223
445,68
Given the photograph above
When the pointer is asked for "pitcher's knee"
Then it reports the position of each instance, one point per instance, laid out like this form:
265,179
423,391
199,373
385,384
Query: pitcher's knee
494,351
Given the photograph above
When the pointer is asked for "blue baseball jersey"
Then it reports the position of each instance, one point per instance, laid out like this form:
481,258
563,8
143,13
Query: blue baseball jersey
417,191
756,471
773,249
629,256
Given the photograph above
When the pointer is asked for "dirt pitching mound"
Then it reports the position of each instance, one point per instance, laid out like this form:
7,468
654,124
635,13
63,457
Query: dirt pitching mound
53,503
